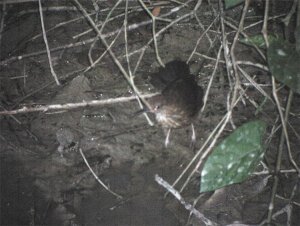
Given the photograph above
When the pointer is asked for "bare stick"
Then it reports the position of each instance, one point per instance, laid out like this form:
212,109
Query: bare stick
286,209
201,36
288,17
284,135
16,1
153,31
46,43
2,24
211,80
69,106
255,85
97,178
188,206
264,30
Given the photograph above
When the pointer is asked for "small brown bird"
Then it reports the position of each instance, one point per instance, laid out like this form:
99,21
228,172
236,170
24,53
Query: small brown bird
180,100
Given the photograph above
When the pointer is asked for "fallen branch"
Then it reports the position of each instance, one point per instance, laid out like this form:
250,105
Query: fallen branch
188,206
68,106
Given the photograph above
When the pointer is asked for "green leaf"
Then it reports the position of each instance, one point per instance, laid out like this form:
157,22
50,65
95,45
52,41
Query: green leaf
235,158
284,64
232,3
258,40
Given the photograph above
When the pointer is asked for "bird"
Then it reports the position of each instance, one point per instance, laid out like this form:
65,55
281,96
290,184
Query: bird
180,100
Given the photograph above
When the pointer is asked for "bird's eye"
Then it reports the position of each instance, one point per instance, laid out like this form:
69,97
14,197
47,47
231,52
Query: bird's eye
157,107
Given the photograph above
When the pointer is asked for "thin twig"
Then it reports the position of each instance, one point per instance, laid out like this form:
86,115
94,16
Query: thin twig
264,30
15,1
93,63
211,79
69,106
200,38
2,25
46,43
186,205
284,135
153,18
97,178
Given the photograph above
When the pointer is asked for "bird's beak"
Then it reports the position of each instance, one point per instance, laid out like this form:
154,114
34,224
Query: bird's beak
139,112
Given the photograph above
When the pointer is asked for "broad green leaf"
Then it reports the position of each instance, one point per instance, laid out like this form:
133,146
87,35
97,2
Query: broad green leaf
235,158
258,40
284,64
232,3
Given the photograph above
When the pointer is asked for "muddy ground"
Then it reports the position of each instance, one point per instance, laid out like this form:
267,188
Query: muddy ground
44,179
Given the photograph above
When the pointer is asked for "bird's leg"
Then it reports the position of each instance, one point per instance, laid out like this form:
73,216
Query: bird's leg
167,140
193,141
